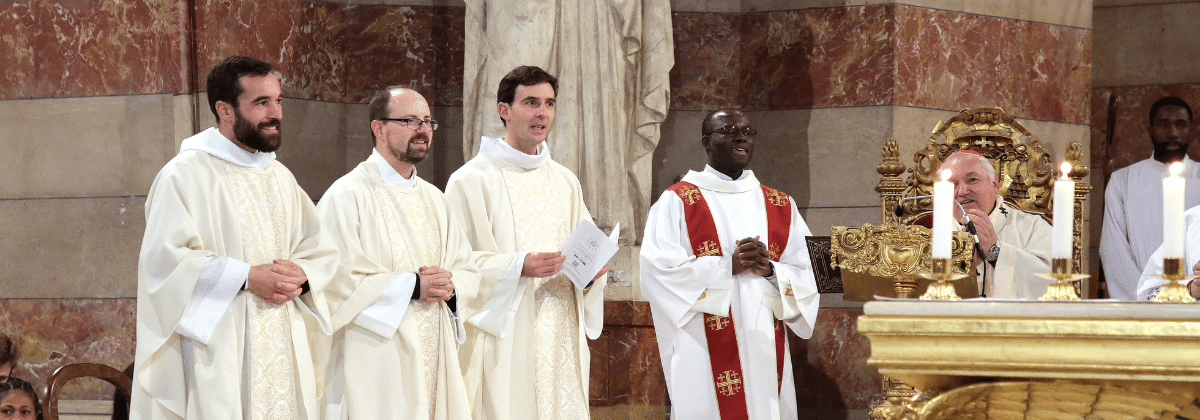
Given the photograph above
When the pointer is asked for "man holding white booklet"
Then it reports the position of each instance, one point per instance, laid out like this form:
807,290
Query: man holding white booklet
526,356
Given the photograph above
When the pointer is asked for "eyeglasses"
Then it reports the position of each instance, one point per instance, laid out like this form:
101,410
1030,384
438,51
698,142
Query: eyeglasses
413,123
730,130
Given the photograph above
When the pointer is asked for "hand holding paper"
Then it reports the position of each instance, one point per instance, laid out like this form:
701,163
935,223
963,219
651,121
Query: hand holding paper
587,250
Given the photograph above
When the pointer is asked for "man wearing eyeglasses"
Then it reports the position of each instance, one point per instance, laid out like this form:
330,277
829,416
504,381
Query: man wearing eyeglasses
526,356
725,266
395,347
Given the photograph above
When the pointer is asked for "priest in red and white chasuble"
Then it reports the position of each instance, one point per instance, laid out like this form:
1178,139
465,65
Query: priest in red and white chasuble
698,234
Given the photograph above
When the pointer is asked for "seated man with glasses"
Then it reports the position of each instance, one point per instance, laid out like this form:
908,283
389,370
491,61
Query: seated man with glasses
395,345
725,267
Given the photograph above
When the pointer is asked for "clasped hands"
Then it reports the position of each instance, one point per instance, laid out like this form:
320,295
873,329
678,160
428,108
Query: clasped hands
751,254
277,282
436,284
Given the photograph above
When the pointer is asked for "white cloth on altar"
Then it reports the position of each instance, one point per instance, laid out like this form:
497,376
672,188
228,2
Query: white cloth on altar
681,286
1149,282
1133,224
1025,241
191,259
377,361
497,358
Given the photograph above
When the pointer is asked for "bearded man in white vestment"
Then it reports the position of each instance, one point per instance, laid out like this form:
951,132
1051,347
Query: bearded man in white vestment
526,354
232,268
721,250
1015,244
1133,199
395,345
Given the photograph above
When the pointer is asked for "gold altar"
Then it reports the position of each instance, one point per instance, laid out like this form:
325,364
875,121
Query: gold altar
1036,360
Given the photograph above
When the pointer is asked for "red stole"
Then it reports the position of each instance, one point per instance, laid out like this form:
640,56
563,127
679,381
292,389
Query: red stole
719,331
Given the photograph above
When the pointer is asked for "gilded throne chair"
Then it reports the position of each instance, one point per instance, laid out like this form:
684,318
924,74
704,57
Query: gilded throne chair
886,259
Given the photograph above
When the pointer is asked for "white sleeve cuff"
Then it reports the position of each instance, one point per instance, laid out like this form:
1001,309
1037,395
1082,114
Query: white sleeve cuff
220,280
383,317
501,307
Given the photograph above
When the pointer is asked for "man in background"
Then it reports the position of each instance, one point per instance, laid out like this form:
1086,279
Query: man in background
1133,199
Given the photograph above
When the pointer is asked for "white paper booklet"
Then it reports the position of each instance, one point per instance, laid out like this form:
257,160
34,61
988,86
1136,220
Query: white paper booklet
587,250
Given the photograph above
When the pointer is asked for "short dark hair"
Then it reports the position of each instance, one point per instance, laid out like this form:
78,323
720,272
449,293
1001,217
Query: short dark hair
224,80
9,353
1168,101
18,384
378,107
523,76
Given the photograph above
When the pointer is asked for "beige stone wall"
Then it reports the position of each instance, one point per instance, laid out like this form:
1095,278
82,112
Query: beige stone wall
1151,44
78,170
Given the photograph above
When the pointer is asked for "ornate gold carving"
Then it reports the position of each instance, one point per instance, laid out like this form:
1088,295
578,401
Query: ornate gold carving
1025,169
729,383
895,394
890,186
891,251
1026,400
1176,289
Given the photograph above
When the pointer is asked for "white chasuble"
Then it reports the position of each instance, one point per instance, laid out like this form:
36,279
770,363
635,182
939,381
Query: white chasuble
526,354
272,374
415,244
682,287
207,348
394,357
557,383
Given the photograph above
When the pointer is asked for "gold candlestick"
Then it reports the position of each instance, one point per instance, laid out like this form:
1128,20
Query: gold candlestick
1176,288
1062,288
942,289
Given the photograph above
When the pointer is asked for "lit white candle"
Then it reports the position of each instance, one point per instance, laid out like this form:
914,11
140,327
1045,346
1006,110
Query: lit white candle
943,215
1173,213
1064,214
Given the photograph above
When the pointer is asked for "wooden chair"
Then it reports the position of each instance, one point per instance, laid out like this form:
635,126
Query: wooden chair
66,373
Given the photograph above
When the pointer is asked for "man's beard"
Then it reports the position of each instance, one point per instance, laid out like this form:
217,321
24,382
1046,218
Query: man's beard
1162,152
253,137
410,155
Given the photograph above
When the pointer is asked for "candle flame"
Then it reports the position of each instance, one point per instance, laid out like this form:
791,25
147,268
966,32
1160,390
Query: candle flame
1066,169
1176,168
945,175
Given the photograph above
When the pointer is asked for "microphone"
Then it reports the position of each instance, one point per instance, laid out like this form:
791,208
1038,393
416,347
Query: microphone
965,221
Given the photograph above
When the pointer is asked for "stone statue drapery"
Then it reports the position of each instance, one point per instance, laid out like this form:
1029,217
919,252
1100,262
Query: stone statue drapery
612,59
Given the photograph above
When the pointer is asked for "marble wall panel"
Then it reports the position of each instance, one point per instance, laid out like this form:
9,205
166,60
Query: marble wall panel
1150,44
880,55
835,374
56,332
948,60
71,248
326,50
338,52
91,48
84,147
710,76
